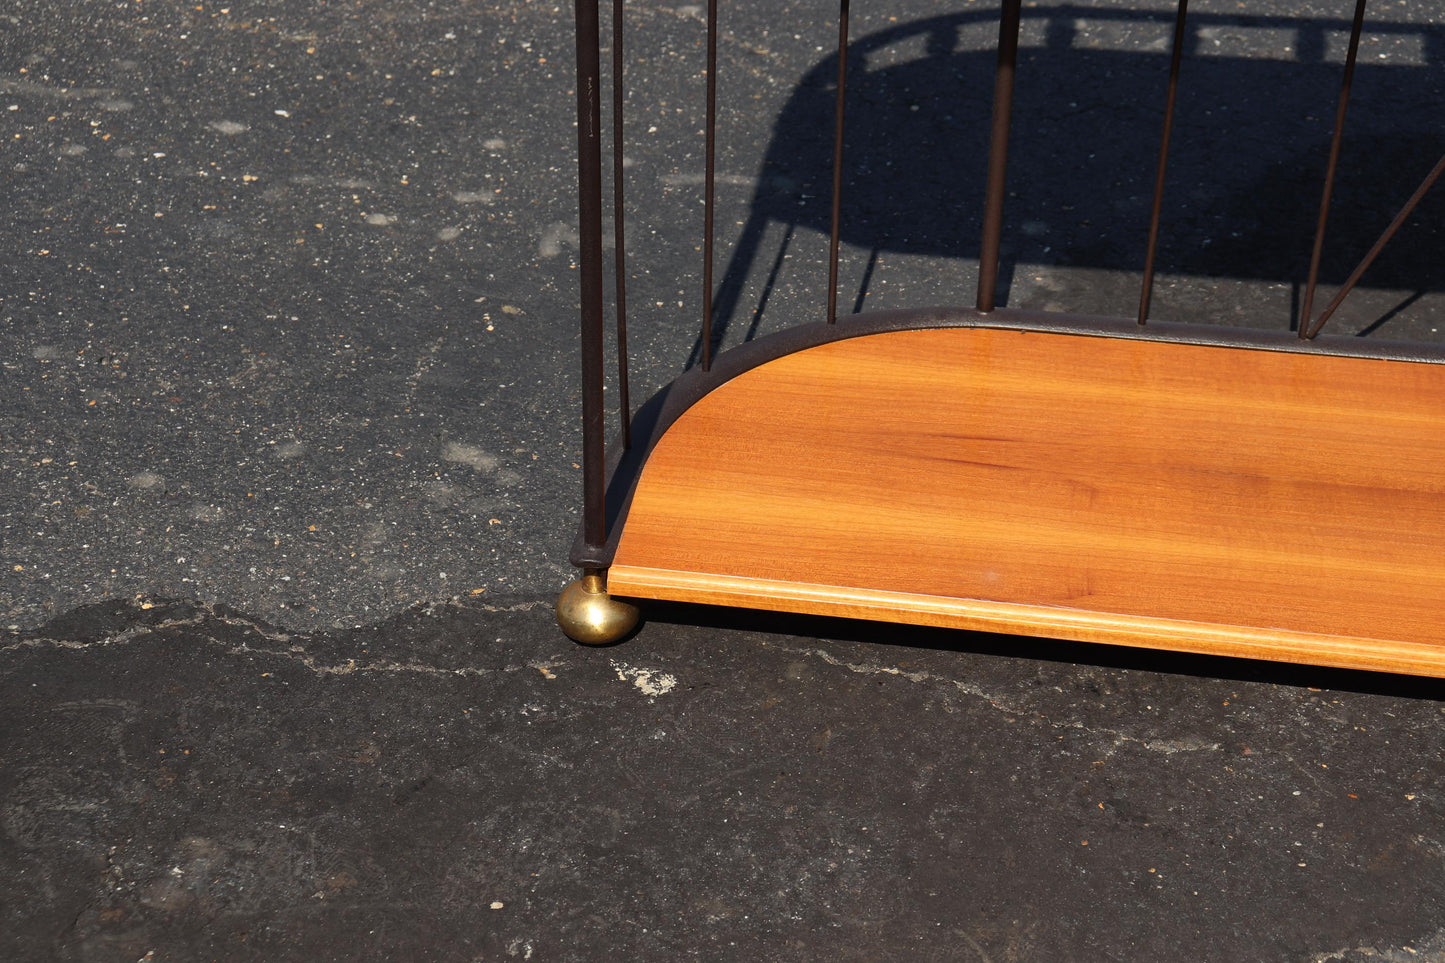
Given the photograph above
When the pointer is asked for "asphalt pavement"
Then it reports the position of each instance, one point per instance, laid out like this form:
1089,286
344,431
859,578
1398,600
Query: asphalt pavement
289,435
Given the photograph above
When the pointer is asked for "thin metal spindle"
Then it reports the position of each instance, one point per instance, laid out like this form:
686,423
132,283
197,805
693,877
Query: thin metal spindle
1374,252
589,224
708,176
1147,291
837,161
620,261
1330,167
1003,87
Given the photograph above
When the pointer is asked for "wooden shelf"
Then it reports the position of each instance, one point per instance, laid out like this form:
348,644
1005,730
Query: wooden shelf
1181,496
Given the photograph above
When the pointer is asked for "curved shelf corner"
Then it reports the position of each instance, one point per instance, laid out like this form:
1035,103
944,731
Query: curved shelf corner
1205,497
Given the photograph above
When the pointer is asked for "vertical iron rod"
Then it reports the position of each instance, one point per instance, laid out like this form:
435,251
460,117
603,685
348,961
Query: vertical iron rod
708,176
1003,88
837,161
1374,252
1147,291
618,218
1330,167
589,227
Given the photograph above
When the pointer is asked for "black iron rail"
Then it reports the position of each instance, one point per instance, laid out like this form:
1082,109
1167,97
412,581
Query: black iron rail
1003,91
709,176
589,230
837,162
619,220
1379,245
1147,288
1356,28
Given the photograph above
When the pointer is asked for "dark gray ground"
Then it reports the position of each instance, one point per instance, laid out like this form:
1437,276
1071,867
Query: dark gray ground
288,432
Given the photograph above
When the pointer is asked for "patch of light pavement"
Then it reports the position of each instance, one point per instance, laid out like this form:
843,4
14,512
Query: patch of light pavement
651,682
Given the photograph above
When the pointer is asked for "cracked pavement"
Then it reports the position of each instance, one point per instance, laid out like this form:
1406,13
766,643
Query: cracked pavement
182,781
287,439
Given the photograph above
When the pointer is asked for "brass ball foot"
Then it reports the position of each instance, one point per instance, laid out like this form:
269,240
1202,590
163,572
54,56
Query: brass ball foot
589,615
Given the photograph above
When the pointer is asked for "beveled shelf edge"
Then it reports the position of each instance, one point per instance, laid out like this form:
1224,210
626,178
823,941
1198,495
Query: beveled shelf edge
1077,625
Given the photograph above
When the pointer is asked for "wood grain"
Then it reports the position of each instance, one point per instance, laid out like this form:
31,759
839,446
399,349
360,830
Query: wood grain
1209,499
